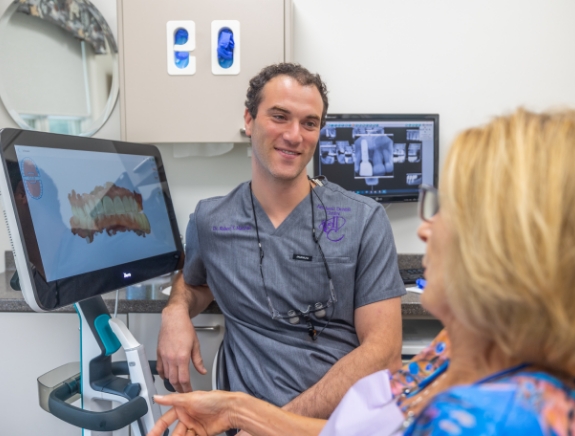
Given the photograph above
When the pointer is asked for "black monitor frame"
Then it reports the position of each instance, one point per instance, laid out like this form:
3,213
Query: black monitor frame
44,295
387,197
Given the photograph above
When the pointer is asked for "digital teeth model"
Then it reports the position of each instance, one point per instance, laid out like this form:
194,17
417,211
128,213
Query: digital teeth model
109,208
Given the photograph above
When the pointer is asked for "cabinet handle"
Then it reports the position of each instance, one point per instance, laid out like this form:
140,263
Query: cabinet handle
203,328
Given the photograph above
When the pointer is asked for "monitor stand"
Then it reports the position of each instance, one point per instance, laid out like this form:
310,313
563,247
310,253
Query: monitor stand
98,382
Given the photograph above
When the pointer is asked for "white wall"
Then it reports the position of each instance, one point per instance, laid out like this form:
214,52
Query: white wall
466,60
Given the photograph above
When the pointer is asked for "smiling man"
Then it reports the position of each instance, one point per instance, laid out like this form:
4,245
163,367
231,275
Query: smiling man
304,271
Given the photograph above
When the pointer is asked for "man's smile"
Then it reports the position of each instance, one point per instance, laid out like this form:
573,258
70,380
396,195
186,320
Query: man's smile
288,152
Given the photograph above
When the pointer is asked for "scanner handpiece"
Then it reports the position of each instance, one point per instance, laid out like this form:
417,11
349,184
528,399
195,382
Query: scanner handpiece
139,370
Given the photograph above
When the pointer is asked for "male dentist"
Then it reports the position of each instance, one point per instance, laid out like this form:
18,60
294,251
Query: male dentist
304,271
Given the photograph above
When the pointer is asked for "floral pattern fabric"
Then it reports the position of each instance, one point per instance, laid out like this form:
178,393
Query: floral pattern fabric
526,402
423,368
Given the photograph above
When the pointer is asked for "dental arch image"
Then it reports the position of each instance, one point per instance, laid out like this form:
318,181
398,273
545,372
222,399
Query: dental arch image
107,208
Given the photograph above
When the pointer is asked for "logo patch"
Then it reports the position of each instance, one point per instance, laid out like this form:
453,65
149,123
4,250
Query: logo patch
333,228
302,257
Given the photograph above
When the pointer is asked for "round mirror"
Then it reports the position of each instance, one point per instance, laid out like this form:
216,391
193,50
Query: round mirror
58,66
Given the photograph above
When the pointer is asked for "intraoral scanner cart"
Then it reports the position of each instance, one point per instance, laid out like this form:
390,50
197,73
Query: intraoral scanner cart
88,216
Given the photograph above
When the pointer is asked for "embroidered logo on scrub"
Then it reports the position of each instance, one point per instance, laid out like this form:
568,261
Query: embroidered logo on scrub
334,224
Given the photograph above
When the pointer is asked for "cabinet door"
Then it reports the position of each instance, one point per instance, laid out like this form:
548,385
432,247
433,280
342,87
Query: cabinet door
417,334
203,107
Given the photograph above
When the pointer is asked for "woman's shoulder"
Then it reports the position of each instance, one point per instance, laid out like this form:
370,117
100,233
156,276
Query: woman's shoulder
534,403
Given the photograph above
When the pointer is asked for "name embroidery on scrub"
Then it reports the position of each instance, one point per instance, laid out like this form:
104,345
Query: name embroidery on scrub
231,228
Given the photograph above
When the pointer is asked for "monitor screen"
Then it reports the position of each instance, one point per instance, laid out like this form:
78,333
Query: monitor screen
89,215
385,157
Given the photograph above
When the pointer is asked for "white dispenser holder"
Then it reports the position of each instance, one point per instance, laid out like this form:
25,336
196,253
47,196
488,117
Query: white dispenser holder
190,46
234,26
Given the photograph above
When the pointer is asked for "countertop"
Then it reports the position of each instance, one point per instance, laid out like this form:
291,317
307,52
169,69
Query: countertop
148,297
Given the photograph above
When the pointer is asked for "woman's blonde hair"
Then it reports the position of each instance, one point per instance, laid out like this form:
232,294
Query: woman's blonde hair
509,192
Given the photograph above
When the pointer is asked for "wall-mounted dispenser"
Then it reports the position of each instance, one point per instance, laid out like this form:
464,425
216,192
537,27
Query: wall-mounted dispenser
228,43
181,41
225,47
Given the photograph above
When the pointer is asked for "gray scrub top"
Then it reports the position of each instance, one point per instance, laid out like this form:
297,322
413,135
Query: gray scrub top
273,359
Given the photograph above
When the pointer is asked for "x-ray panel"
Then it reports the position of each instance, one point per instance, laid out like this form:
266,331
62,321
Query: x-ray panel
385,157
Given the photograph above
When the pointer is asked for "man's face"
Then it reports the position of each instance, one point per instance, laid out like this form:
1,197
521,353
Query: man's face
286,129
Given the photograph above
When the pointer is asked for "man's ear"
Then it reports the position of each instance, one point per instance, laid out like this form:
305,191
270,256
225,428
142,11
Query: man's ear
248,120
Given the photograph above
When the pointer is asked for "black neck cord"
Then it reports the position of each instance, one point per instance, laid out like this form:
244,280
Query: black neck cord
311,329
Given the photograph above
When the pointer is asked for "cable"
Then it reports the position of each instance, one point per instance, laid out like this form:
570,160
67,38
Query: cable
116,305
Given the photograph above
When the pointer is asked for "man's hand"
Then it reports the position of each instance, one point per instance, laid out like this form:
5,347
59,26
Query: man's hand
177,343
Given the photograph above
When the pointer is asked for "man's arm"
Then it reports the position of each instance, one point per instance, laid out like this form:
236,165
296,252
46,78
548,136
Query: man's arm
177,341
378,327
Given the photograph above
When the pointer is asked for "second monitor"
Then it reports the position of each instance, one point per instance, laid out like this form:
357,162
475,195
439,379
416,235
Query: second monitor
382,156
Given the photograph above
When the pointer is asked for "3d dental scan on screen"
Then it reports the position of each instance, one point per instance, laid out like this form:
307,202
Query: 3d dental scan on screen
88,216
385,157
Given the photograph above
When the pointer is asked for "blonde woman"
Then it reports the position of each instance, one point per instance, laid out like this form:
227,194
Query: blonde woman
500,270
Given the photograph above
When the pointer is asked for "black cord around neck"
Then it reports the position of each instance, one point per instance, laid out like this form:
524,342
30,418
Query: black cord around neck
311,328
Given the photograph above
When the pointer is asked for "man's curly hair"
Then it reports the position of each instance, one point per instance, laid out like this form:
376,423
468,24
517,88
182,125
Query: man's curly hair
297,72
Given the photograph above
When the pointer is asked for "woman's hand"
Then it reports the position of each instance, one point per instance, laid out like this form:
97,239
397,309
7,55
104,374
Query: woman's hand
199,413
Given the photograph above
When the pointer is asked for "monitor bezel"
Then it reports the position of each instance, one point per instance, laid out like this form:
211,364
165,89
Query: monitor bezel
32,279
387,198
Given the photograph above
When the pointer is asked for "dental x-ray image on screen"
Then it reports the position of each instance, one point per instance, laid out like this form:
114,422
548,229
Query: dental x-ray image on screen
91,215
385,157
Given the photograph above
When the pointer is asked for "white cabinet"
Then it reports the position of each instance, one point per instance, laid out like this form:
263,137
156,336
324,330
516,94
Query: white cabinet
206,106
417,334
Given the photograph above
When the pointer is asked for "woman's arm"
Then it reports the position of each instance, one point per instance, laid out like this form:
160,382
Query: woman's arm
211,413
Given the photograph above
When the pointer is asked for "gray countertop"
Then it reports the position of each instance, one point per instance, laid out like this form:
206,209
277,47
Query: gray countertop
148,298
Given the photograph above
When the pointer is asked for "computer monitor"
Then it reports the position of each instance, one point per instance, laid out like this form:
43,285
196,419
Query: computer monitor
382,156
85,216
